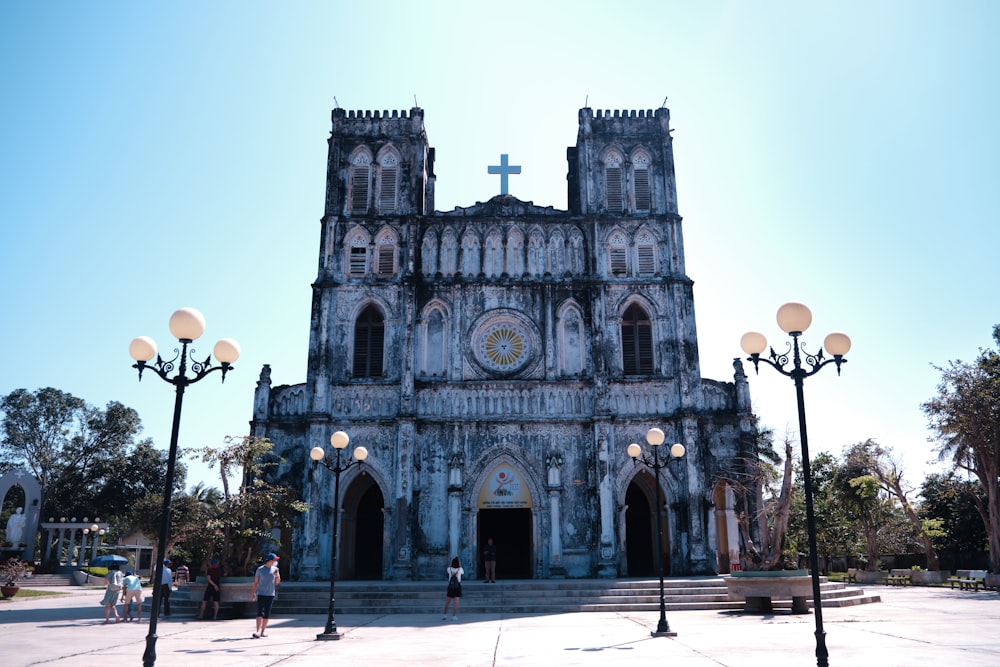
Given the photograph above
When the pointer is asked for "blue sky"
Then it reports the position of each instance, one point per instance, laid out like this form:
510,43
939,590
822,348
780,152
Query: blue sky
160,155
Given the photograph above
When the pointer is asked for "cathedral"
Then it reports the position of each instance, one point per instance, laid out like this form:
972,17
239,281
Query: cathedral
496,361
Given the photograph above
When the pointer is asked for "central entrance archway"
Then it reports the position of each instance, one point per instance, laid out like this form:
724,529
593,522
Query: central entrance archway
511,533
641,538
362,530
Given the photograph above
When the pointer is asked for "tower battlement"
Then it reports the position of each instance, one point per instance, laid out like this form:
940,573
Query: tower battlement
368,122
624,122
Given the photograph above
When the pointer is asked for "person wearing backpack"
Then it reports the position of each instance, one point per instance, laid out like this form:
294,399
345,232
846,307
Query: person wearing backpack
455,573
111,593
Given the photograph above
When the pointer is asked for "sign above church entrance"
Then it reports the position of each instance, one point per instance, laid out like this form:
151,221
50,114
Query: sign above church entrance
504,489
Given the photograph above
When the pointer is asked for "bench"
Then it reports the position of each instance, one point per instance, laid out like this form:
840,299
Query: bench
901,577
968,580
852,576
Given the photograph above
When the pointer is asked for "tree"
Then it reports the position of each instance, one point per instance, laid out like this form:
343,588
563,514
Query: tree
959,506
888,472
249,518
965,417
861,494
70,447
836,529
763,501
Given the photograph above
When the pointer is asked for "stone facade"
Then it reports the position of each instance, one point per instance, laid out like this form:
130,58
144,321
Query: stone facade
496,360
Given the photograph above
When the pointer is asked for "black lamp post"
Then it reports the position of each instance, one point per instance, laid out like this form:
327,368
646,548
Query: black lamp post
339,441
187,325
655,437
794,318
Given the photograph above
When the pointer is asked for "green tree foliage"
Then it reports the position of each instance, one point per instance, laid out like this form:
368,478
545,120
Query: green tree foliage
250,518
862,495
965,417
836,530
189,517
959,507
888,473
85,459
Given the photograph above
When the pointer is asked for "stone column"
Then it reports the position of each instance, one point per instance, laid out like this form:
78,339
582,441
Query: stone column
606,564
554,487
72,548
454,503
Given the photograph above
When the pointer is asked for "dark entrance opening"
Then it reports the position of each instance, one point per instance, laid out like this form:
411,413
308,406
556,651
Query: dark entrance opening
362,530
639,533
641,539
511,533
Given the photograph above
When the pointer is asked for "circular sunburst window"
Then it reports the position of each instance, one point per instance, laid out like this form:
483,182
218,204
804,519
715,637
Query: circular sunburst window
502,346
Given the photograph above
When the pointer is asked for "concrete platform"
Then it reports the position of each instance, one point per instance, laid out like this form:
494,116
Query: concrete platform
911,627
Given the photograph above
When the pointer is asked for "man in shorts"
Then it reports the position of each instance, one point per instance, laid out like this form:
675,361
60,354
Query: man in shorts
213,592
265,582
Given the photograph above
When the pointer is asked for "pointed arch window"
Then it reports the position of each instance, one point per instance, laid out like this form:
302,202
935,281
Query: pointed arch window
357,253
360,181
637,342
614,183
388,186
645,252
449,253
385,254
369,342
642,196
617,255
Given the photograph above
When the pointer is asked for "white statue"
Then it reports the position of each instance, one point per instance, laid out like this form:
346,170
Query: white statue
15,527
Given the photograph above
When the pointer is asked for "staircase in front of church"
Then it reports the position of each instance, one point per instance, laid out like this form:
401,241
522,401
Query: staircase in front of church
521,596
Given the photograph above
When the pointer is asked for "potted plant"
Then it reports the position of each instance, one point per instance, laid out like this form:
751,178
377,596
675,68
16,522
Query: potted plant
11,572
764,497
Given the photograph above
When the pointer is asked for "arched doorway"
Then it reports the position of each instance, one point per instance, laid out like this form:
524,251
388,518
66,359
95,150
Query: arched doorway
641,539
511,533
362,530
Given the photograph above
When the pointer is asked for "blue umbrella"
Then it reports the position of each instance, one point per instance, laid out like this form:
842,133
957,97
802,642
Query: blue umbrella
108,560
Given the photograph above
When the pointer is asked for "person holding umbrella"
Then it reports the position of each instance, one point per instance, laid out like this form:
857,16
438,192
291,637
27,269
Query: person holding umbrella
112,592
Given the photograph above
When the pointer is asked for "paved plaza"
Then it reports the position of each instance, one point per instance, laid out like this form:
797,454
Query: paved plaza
910,627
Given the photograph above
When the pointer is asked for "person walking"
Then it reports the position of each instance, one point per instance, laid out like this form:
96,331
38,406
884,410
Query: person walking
490,559
213,590
111,593
454,593
265,582
132,591
166,585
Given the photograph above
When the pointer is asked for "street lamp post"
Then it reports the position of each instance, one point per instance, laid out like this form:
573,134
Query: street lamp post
187,325
794,318
655,437
339,441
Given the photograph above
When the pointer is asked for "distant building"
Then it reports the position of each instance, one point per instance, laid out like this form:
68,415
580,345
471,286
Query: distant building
496,360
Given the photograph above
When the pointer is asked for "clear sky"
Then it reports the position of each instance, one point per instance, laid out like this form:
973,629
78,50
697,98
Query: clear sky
160,155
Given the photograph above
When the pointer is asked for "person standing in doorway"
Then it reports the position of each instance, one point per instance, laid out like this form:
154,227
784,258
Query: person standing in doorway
490,559
455,573
132,592
265,582
213,589
166,585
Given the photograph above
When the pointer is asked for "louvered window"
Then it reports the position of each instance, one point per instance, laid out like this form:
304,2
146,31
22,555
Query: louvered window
618,258
386,260
615,189
359,263
369,341
647,264
640,184
387,189
360,181
637,342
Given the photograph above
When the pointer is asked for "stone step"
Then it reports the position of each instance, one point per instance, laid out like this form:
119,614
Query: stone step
44,580
509,597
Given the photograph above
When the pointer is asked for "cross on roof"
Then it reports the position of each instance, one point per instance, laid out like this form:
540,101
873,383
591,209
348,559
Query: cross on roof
503,169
